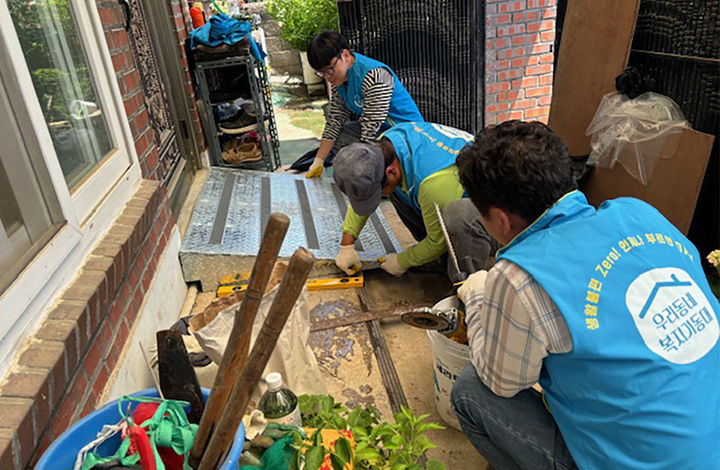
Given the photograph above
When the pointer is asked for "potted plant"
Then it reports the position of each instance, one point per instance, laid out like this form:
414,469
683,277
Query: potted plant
300,21
364,441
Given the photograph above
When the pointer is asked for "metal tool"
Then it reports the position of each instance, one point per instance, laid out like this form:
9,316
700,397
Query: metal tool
451,250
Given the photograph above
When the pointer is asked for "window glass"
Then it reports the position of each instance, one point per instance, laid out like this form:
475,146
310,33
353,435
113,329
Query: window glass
63,83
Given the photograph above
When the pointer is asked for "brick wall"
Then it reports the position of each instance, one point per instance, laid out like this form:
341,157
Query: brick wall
519,59
61,372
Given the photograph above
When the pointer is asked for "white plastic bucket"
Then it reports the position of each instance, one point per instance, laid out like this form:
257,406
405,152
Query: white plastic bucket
449,360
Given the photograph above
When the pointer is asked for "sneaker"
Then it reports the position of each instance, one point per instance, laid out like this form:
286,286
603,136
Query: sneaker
237,151
239,125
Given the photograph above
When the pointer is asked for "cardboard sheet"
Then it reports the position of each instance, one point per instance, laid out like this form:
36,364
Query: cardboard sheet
594,49
674,186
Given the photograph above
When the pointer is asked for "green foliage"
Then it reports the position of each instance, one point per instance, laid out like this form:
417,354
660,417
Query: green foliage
302,20
378,445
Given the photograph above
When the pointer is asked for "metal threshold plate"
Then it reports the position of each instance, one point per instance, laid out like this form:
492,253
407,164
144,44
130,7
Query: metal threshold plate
233,207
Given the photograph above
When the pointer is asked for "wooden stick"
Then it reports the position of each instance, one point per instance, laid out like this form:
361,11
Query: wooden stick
237,347
292,284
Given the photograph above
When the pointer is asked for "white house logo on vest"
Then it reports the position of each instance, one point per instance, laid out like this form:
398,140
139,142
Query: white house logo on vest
672,314
452,133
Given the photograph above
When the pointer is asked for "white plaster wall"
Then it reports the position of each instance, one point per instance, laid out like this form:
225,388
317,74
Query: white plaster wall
159,311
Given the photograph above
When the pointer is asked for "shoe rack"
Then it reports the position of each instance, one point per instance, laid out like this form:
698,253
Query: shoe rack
259,92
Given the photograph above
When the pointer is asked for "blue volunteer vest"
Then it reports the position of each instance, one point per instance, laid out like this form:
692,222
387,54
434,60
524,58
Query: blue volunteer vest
402,106
640,388
423,148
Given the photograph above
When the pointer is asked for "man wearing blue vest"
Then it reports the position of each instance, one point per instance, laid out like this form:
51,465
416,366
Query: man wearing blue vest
608,309
413,164
361,87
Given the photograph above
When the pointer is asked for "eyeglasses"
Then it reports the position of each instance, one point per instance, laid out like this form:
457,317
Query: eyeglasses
329,71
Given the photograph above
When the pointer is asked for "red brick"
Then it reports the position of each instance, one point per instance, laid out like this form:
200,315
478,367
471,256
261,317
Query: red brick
33,386
120,38
518,40
540,3
525,82
93,358
502,19
545,100
510,30
6,452
511,95
523,104
51,357
538,69
502,65
16,414
526,16
509,116
539,91
547,36
147,280
511,6
509,74
497,108
495,87
45,441
539,111
547,58
540,48
546,79
549,13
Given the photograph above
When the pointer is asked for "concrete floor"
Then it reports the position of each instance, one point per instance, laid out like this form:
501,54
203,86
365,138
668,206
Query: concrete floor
345,355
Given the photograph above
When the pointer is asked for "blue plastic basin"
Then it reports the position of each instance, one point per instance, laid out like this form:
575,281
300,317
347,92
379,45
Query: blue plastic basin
62,453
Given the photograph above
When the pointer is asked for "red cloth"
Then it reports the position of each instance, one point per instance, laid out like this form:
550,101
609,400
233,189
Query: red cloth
142,413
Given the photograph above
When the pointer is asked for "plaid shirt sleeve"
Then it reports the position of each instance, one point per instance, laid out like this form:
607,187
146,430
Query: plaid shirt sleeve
512,327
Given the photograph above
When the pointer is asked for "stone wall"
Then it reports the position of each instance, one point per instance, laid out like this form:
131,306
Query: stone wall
283,59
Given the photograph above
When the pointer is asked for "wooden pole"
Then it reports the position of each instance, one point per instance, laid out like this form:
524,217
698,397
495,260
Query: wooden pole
237,347
292,284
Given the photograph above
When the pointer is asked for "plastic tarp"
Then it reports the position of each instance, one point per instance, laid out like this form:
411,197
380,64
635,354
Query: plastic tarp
635,132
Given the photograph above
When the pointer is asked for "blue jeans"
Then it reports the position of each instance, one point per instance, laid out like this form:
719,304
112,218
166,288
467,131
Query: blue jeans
511,433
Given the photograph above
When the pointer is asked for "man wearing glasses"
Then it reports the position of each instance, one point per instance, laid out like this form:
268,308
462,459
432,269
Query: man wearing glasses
361,86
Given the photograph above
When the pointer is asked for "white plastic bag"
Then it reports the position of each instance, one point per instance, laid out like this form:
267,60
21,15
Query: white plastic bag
292,357
635,132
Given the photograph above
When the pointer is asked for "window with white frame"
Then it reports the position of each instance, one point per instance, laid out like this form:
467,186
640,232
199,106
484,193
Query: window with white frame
66,168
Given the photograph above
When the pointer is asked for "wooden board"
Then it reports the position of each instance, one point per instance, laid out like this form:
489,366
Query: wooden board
594,49
674,186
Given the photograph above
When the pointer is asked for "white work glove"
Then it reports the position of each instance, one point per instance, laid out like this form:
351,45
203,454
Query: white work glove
316,168
473,285
348,260
391,265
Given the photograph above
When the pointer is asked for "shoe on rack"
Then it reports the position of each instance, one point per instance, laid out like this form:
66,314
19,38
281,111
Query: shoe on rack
237,125
239,152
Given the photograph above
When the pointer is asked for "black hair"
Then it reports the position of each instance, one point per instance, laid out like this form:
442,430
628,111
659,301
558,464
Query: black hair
324,47
521,167
389,156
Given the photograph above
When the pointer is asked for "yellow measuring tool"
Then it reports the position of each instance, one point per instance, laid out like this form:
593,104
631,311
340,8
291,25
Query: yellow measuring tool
238,283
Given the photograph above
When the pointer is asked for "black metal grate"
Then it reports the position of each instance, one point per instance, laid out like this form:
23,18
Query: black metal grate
677,43
436,47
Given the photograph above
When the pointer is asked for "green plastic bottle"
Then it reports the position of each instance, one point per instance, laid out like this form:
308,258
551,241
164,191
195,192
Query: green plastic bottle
278,404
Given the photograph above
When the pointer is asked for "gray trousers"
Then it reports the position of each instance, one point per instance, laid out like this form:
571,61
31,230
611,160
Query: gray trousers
471,242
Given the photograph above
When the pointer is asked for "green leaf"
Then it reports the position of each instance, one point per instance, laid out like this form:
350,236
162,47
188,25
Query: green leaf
434,465
343,449
314,458
365,452
337,462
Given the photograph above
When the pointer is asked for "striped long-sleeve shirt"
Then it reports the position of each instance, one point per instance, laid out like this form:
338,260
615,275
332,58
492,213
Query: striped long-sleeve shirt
377,89
512,326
